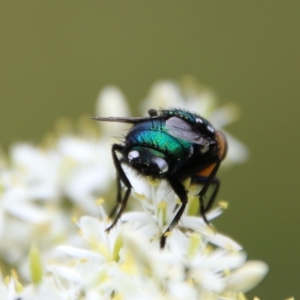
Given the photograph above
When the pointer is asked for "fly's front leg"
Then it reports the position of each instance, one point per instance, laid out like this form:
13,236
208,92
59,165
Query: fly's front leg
121,176
119,198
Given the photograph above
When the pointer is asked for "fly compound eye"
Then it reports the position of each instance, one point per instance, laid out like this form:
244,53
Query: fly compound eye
132,155
161,163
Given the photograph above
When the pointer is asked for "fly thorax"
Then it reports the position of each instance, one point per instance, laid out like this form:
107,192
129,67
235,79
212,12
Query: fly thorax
147,161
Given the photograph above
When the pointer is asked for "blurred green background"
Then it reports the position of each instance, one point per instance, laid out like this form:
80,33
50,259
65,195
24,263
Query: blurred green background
55,56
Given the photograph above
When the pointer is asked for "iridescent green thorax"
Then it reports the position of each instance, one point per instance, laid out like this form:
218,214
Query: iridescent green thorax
154,134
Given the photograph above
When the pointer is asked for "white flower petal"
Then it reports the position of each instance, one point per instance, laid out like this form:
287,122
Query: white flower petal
237,152
224,115
90,227
222,241
139,184
112,103
109,99
29,213
2,222
79,253
181,290
67,273
247,277
163,94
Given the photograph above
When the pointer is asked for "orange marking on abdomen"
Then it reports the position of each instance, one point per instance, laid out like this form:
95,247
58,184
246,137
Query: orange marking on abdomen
222,151
207,171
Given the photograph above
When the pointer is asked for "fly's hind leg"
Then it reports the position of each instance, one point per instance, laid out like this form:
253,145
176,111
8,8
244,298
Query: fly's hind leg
180,191
207,182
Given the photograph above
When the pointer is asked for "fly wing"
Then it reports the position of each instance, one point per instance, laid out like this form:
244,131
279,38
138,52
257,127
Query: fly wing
183,130
125,120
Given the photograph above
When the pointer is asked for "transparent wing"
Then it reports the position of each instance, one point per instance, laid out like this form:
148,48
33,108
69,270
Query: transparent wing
133,120
183,130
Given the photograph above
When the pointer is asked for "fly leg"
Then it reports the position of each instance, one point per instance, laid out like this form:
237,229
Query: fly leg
119,198
207,182
180,191
121,177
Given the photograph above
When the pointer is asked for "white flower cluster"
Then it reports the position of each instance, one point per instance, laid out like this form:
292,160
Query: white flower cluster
43,187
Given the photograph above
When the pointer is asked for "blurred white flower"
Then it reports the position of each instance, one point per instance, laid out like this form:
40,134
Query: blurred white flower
86,170
128,264
43,187
24,191
111,102
36,180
